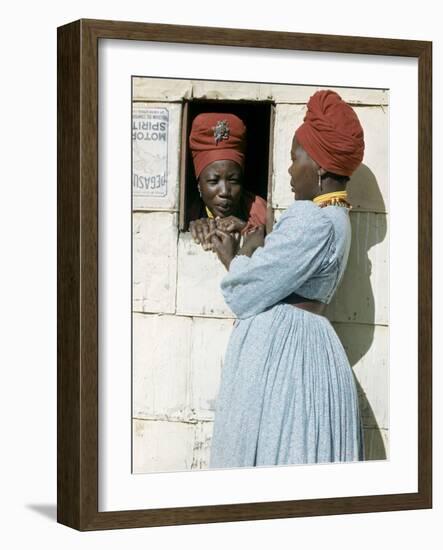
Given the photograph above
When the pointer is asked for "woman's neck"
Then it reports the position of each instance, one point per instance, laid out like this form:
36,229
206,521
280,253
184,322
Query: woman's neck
330,185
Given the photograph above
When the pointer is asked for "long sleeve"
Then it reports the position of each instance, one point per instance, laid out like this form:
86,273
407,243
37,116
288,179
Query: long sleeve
300,244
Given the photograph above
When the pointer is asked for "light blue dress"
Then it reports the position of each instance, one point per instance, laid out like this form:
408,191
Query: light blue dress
287,393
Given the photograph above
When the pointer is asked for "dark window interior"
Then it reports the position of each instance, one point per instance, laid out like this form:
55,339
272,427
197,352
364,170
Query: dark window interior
257,118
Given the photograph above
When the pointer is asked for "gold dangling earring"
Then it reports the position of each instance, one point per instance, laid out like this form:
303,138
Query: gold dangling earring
319,183
199,191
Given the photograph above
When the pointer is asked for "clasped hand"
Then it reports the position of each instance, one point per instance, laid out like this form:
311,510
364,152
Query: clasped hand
200,229
222,236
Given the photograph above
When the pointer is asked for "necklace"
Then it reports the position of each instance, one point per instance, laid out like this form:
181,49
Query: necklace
336,198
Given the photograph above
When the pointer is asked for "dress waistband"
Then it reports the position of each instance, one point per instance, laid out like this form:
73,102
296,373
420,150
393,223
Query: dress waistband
314,306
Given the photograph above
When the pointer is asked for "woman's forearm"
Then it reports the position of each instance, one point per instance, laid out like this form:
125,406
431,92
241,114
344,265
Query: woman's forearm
248,249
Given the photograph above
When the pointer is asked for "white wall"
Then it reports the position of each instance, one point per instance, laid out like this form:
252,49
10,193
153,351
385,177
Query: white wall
29,261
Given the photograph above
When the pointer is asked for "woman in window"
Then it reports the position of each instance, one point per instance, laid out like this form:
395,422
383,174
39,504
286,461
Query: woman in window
287,393
218,142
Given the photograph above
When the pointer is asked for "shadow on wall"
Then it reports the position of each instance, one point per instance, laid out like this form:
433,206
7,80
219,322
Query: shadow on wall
355,303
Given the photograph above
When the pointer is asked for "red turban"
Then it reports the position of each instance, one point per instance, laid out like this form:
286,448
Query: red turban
217,136
331,134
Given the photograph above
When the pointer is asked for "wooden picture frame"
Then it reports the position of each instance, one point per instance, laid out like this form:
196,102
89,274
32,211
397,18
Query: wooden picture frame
77,428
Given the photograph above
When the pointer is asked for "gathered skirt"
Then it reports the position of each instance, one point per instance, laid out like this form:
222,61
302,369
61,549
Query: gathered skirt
287,394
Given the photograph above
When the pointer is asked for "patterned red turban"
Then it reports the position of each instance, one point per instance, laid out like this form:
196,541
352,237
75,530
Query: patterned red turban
331,134
217,136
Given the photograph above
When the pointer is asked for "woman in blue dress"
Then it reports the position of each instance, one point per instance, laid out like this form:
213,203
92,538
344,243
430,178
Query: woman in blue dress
287,392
